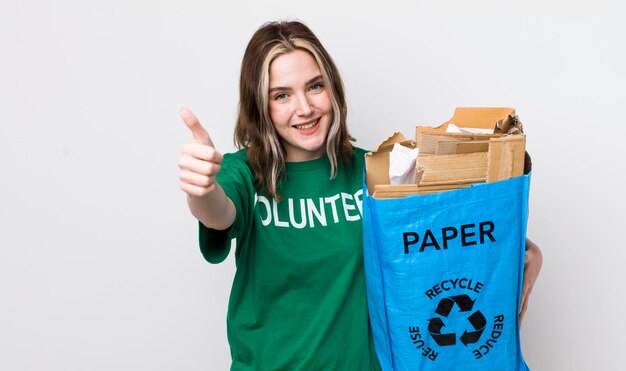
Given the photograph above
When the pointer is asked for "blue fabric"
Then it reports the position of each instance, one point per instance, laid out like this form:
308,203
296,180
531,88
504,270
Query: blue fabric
444,277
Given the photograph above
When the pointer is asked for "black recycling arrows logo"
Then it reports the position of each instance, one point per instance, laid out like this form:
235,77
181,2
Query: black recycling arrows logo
465,304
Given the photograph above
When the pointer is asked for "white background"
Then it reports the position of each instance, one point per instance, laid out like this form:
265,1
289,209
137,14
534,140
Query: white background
99,264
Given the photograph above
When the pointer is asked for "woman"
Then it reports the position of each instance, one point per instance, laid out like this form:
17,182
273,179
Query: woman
292,199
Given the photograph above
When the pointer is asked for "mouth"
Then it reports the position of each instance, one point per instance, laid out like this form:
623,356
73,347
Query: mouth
307,126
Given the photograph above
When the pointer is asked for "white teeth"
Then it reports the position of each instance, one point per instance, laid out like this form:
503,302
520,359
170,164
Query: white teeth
307,126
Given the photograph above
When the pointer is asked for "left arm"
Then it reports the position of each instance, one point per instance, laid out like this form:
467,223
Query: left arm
532,266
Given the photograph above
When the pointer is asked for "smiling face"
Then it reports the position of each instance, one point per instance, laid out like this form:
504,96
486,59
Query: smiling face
299,105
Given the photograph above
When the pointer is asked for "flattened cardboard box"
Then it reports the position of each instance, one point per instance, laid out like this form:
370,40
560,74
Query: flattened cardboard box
454,160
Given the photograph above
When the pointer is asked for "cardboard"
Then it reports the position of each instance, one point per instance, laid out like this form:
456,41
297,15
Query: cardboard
394,191
431,143
497,118
506,157
448,168
449,161
378,159
467,147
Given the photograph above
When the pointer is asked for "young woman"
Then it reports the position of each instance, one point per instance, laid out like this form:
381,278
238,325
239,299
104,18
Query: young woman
292,199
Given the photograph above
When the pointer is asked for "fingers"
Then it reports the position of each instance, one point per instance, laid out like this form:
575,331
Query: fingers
532,266
197,172
197,175
526,289
202,152
196,179
523,309
200,161
195,190
201,180
199,133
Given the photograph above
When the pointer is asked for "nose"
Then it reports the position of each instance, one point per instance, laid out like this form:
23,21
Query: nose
304,106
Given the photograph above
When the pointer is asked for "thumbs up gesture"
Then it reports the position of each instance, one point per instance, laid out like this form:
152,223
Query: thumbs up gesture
200,161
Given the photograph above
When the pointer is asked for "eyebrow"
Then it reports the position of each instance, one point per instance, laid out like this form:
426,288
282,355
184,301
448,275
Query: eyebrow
316,78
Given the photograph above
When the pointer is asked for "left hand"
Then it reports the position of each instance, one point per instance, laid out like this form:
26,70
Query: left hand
532,266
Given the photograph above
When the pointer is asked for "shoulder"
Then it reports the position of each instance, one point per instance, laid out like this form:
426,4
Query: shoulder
359,152
235,167
358,156
240,156
355,164
237,161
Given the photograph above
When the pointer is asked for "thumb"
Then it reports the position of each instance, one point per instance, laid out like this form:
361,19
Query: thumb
198,132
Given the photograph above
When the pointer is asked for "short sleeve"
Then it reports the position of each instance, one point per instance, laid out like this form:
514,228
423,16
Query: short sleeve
236,180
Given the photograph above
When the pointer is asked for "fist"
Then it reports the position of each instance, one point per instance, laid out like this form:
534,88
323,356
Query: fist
200,161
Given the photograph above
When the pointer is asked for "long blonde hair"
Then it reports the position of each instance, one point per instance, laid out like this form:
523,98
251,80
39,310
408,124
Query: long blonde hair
255,131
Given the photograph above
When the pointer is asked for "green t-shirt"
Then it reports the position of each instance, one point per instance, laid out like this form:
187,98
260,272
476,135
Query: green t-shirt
298,300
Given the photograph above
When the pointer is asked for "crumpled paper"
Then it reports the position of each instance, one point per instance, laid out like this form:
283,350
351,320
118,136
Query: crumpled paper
452,128
402,162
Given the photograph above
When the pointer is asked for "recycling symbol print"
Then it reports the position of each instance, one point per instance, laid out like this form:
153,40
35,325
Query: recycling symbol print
475,323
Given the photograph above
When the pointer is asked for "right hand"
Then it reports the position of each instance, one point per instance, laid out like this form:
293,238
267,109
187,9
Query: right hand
200,161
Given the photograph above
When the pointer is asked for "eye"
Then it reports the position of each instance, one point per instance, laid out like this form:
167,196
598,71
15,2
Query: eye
316,86
280,96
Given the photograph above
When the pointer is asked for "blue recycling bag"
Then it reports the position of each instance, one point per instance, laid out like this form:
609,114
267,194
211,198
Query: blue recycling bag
444,277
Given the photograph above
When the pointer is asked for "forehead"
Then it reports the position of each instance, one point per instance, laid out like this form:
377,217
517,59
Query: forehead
293,68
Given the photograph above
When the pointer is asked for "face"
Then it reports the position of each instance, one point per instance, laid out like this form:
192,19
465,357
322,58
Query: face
299,105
